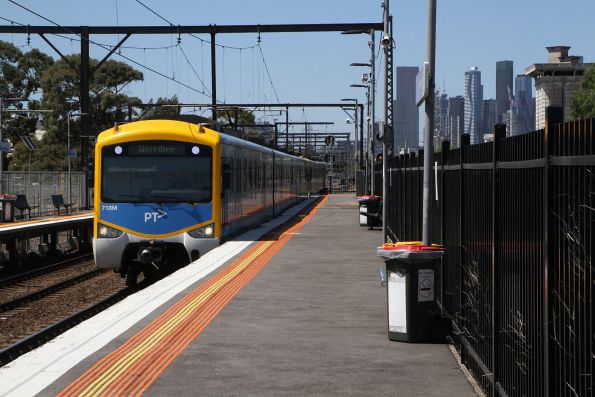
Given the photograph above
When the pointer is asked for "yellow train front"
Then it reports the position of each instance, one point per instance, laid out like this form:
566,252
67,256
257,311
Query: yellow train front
167,191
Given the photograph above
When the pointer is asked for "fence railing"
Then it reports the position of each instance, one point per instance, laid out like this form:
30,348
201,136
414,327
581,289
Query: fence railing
39,187
517,217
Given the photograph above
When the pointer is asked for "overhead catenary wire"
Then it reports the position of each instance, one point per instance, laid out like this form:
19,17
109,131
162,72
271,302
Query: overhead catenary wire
193,69
268,73
107,48
205,92
191,34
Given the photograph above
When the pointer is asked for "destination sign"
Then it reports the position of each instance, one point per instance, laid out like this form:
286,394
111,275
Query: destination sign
156,149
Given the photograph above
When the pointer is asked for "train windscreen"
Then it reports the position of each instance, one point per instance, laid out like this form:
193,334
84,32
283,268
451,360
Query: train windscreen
156,171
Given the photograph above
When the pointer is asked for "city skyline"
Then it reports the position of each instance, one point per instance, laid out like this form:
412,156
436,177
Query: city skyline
307,66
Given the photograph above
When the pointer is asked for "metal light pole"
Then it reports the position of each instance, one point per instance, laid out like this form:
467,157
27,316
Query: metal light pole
372,66
372,138
1,153
68,151
428,192
355,121
68,155
367,87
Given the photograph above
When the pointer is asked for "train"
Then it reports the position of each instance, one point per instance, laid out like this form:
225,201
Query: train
167,191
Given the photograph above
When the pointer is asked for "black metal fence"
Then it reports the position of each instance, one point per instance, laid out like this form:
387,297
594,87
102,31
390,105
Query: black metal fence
517,218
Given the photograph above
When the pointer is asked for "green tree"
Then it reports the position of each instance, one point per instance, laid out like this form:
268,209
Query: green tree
61,93
160,110
236,117
20,77
582,104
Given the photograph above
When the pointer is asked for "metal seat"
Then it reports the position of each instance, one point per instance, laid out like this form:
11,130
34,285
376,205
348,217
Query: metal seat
58,201
22,204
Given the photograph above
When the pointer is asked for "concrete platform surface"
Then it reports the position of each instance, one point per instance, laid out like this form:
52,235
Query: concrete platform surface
312,322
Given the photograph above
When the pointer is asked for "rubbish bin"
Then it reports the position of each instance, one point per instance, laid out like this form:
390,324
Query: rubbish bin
7,207
413,314
369,204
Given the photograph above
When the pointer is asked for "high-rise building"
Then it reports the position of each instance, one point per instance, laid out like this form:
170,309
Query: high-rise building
406,116
473,102
441,124
488,116
523,110
504,89
556,82
456,119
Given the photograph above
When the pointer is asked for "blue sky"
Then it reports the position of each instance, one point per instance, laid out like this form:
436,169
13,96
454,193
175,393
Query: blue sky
315,67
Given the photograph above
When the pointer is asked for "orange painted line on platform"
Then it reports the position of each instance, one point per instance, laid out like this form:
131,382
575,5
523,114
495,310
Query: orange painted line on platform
134,366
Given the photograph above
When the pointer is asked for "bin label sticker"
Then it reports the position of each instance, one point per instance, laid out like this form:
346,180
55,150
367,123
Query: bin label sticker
425,285
397,303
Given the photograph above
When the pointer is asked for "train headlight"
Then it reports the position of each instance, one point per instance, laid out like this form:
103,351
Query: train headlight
203,231
104,231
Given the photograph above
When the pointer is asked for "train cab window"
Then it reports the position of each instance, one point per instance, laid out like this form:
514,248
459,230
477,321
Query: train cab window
156,171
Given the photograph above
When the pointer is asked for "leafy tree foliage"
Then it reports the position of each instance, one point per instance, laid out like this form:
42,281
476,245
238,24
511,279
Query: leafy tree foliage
60,84
582,104
160,110
20,77
236,117
54,85
108,100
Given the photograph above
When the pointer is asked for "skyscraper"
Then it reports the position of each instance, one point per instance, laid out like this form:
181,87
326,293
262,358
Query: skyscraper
406,117
441,124
473,102
524,110
488,116
504,89
456,118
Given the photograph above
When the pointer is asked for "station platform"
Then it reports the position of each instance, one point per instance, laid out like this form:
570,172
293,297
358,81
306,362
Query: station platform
26,226
291,311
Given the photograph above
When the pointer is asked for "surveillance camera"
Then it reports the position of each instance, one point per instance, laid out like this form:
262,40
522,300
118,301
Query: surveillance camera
348,121
368,118
386,41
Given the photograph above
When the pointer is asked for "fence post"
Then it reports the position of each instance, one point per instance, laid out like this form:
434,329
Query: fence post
445,147
499,133
465,142
553,116
420,183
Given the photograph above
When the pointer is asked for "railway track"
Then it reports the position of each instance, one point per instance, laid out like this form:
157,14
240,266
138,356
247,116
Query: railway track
32,322
38,305
20,277
29,286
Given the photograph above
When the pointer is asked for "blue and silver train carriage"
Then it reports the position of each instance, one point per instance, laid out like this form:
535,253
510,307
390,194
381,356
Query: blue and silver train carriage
168,191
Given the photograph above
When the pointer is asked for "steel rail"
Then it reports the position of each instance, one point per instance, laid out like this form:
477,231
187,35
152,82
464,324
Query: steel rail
31,342
18,302
5,282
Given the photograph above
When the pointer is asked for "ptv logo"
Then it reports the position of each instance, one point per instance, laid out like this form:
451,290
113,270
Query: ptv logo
153,216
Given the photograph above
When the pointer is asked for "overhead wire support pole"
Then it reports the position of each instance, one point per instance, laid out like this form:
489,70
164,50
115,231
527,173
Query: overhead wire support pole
85,110
428,185
361,137
213,75
387,43
372,138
